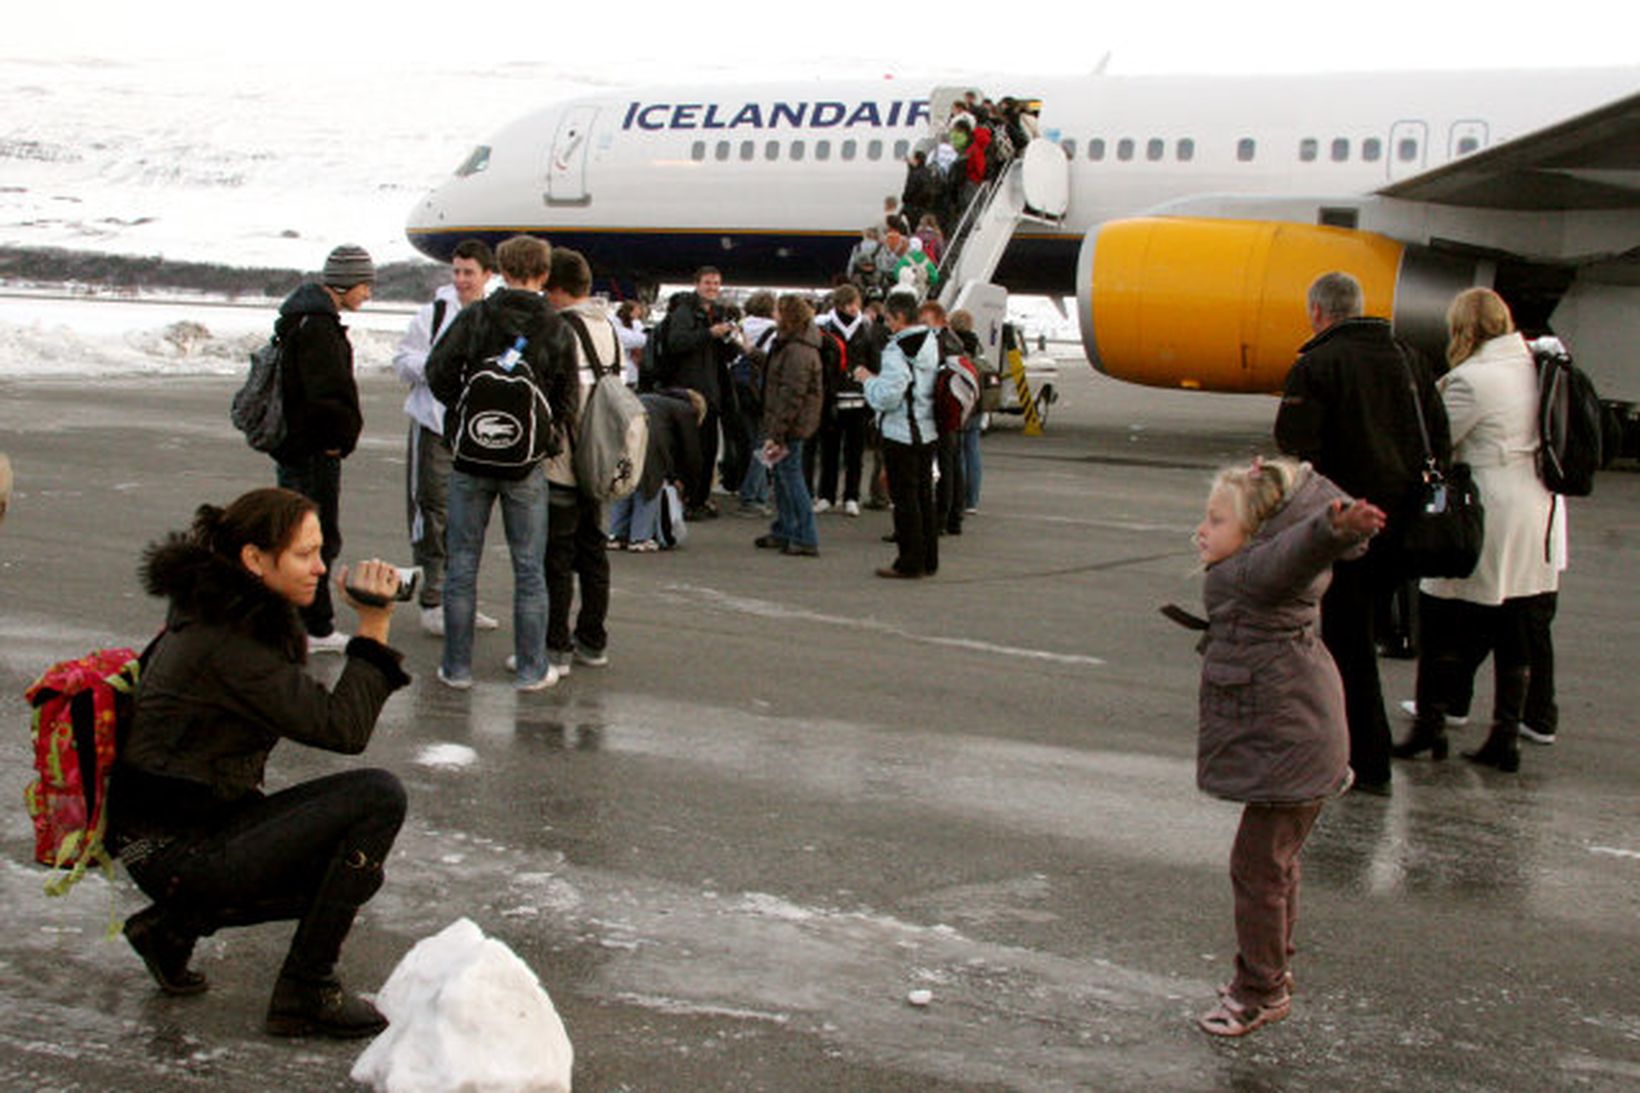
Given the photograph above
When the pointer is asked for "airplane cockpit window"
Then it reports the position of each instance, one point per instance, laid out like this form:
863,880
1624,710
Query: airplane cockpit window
1407,150
476,161
1340,149
771,150
822,149
748,151
1096,149
1308,149
1155,148
1185,150
874,150
1246,148
849,147
797,150
1372,149
1124,149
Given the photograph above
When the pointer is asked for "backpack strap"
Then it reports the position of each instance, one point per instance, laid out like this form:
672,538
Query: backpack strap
579,325
440,306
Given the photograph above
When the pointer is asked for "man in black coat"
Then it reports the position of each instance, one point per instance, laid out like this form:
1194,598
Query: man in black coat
694,350
321,408
1348,407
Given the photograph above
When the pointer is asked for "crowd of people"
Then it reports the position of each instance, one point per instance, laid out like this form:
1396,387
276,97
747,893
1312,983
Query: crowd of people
778,405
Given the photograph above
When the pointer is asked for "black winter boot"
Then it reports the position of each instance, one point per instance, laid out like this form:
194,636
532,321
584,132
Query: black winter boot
1502,746
304,1007
166,947
1428,734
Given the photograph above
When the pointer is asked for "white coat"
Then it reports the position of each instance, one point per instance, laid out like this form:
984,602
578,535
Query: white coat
1491,402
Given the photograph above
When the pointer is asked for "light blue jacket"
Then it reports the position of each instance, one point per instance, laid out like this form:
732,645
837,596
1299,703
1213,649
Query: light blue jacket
913,350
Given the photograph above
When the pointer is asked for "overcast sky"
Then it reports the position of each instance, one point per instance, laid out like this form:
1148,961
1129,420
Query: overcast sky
615,40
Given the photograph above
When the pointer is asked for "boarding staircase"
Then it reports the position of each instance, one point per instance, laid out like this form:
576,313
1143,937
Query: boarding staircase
1035,186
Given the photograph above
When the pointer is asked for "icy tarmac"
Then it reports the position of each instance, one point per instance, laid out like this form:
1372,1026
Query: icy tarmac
798,796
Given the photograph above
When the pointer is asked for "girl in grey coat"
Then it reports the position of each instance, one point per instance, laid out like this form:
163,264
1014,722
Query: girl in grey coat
1273,731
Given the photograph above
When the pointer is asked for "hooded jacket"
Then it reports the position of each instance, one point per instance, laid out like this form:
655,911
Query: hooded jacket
909,360
321,399
222,686
1273,728
792,394
690,355
486,330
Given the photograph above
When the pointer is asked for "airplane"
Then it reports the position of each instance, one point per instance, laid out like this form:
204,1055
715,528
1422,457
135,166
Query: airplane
1192,214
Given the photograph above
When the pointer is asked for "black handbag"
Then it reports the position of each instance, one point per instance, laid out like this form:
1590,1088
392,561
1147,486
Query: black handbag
1447,528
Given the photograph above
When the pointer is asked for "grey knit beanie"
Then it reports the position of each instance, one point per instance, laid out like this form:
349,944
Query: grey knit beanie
349,265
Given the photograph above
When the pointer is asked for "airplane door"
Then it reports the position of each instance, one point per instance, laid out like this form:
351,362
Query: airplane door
567,161
1408,149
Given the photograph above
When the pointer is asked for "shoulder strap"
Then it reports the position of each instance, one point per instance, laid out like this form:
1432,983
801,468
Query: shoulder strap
1417,402
580,327
440,306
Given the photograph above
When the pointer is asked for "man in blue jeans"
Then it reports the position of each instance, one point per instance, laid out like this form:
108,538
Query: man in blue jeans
512,340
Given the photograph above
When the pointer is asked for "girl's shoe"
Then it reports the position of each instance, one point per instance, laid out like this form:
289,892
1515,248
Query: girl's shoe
1232,1018
644,546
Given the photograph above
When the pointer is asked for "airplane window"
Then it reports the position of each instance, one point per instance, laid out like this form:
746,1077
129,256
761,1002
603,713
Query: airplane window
874,149
1467,145
1407,150
1185,150
1124,149
697,151
797,149
1308,149
1096,149
748,150
1246,147
1154,148
1070,148
1340,149
771,150
475,162
1371,149
849,147
722,151
822,149
902,148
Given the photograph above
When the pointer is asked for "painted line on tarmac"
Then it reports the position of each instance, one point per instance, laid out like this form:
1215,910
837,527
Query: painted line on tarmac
768,609
1615,852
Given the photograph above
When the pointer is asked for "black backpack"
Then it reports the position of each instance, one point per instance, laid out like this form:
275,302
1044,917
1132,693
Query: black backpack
258,408
1571,422
503,422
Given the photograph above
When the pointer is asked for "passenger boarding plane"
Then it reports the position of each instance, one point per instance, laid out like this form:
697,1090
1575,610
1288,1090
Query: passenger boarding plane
1192,212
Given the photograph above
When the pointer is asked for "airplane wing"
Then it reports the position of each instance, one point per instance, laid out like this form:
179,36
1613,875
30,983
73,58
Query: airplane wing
1589,162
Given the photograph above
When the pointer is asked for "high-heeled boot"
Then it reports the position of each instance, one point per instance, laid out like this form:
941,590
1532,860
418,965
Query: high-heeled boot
1428,734
1502,746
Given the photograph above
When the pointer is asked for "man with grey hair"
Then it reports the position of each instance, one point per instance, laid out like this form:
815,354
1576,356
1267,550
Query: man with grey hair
1348,408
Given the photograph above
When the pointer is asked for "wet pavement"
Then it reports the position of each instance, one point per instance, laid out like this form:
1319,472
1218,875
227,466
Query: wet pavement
800,793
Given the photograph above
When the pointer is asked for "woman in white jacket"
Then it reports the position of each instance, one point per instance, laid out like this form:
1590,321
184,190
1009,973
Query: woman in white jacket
1491,402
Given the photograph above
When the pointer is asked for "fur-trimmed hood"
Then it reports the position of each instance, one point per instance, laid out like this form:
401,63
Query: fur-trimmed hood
205,587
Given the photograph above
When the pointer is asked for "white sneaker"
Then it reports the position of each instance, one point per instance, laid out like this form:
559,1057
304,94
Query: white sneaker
481,621
333,642
512,662
432,621
851,508
1410,708
548,680
456,684
592,658
821,505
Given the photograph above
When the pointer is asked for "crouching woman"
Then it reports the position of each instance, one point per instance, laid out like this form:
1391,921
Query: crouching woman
222,685
1273,733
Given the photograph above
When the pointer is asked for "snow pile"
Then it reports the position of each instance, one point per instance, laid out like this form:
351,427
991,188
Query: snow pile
466,1014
